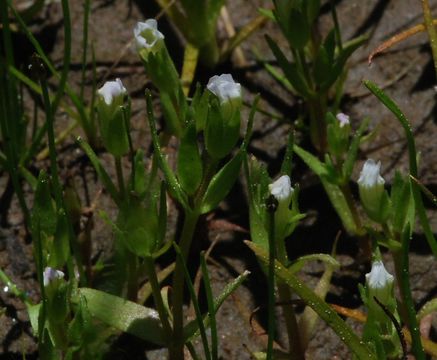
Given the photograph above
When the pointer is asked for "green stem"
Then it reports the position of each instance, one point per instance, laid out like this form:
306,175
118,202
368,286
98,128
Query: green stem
132,278
190,222
154,283
120,178
427,16
51,136
294,341
345,189
402,274
14,289
271,208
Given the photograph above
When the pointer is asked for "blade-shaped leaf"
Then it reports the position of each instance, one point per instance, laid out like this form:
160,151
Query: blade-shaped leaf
318,305
124,315
221,183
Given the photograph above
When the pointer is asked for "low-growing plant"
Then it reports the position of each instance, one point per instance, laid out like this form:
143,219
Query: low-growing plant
85,304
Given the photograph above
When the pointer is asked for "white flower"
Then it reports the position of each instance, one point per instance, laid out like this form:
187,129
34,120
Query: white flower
224,87
281,189
51,275
112,90
147,36
379,283
343,119
370,174
379,277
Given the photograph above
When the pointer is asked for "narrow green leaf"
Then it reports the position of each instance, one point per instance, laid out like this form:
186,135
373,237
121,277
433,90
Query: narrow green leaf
199,318
43,210
211,309
391,105
346,52
124,315
340,205
221,183
351,155
101,172
173,184
334,321
298,29
190,170
301,261
290,70
311,161
191,329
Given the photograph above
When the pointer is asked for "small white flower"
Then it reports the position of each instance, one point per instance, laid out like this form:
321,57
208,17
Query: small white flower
147,36
343,119
380,284
112,90
51,275
379,277
370,174
224,87
281,189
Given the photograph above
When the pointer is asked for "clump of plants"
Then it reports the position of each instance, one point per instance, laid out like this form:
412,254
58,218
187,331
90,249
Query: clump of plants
85,304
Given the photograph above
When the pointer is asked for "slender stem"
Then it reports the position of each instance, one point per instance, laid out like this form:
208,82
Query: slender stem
120,178
271,208
154,283
294,341
427,16
13,288
190,222
51,138
345,189
132,278
86,11
402,274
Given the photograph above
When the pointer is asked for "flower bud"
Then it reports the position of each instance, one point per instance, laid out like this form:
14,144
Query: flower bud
338,133
371,187
282,191
112,126
148,38
225,88
51,276
343,119
379,283
223,122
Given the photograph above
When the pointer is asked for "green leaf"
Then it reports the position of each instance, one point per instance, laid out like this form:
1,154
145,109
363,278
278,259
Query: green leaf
333,320
402,201
391,105
191,329
298,29
190,170
340,61
221,183
140,183
340,205
322,65
43,211
101,172
267,13
124,315
290,70
312,9
301,261
173,184
311,161
351,155
61,243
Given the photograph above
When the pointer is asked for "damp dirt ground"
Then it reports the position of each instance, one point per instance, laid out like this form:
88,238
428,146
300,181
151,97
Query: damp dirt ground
405,71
